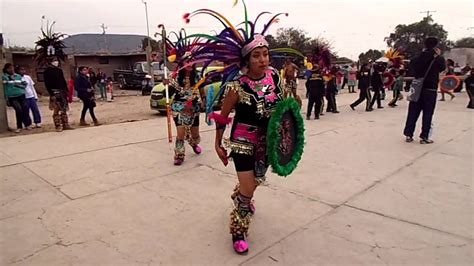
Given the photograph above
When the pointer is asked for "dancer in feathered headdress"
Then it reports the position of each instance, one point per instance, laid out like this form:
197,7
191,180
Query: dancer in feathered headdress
49,54
253,89
395,57
187,101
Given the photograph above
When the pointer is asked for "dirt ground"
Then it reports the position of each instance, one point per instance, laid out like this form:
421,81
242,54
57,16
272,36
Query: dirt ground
128,106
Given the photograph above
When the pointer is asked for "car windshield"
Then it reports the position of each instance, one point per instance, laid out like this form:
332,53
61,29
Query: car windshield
156,66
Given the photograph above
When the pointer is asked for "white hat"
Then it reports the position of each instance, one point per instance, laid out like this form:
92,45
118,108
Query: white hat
147,76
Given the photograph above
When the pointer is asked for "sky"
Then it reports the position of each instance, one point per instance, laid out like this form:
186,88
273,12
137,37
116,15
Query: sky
351,26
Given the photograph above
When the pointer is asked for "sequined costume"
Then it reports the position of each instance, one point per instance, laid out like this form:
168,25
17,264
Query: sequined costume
186,108
257,99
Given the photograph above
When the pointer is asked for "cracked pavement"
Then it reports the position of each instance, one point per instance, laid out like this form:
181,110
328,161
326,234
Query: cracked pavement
361,196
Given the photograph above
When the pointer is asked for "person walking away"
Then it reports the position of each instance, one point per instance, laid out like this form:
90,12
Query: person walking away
102,83
397,88
470,89
15,96
376,82
31,97
315,88
352,78
86,93
428,65
364,84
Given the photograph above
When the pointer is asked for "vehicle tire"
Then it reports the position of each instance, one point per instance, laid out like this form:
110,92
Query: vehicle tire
121,83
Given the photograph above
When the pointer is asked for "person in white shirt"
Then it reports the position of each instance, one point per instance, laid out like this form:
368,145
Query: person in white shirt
31,97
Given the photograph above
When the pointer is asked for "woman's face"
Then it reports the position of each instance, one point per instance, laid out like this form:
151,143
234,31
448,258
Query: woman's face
11,70
259,60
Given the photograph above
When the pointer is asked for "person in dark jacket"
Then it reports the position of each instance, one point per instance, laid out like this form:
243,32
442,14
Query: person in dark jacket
86,93
427,101
58,92
315,92
331,90
376,82
364,83
470,89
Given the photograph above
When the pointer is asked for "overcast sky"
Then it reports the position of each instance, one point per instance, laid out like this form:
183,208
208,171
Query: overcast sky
352,26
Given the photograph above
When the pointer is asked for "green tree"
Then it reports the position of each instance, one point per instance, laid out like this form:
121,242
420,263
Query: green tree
467,42
155,45
410,38
370,55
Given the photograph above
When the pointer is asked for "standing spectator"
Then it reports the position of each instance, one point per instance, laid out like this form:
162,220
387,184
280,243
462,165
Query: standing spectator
110,90
31,97
352,78
431,56
15,95
86,93
70,86
92,78
102,83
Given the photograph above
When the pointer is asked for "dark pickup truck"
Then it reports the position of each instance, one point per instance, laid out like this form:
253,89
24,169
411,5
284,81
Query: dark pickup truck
133,78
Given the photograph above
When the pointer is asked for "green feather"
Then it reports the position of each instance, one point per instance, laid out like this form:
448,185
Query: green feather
288,51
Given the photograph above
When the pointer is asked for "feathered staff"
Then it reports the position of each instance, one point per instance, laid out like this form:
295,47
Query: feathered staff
50,46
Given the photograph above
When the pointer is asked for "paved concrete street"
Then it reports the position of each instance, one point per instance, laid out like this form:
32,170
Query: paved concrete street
110,195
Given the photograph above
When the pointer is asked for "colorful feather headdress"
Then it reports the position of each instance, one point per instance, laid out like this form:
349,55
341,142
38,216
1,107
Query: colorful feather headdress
50,46
321,56
395,57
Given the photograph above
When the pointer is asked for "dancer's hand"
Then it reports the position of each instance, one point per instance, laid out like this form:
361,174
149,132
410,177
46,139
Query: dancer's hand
222,153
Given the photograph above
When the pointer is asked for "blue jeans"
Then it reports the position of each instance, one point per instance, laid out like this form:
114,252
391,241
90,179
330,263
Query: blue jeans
33,106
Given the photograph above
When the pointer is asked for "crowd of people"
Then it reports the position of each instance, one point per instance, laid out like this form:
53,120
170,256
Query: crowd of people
21,95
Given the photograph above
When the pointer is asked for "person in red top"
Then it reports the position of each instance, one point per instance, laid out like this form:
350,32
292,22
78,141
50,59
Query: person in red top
70,86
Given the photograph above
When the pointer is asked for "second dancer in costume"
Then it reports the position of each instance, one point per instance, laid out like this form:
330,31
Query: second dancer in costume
188,100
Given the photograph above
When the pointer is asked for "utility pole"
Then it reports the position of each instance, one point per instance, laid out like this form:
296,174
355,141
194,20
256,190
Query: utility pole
105,36
148,48
428,12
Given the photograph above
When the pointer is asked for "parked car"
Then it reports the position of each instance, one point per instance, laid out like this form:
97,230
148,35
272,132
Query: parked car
158,97
133,78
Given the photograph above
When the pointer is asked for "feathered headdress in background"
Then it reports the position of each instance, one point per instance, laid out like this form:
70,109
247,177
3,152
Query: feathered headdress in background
50,46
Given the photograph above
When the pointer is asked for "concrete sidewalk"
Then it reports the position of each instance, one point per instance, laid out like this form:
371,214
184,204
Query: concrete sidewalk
361,196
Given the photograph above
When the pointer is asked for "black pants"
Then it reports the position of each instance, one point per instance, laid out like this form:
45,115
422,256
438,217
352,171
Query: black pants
331,98
315,100
470,92
88,104
21,111
396,95
364,94
344,82
377,97
425,104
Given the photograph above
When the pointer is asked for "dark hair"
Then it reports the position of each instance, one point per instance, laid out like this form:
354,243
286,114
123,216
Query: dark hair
401,72
81,68
450,62
363,66
182,75
431,42
7,66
